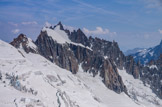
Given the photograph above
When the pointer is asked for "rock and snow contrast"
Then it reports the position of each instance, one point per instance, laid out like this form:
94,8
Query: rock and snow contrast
68,69
32,80
139,92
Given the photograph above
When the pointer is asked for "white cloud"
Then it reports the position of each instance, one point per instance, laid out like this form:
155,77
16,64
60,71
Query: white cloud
160,31
29,23
99,31
70,28
15,31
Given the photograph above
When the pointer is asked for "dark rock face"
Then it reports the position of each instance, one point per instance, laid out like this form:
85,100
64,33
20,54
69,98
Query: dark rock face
80,53
152,75
107,70
108,49
132,67
57,53
79,37
111,50
23,41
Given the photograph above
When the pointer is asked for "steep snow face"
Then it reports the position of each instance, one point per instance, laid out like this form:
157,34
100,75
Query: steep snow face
58,35
31,44
61,36
32,80
141,93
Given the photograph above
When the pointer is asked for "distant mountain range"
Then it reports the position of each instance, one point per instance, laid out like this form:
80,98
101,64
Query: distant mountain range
144,56
133,51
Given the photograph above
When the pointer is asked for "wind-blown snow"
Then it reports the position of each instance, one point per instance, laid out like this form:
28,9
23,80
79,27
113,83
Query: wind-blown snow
61,36
141,93
32,80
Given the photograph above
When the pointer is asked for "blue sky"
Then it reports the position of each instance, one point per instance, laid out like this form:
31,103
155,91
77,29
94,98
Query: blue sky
132,23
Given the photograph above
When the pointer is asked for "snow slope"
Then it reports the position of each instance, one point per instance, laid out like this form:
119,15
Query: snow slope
52,84
34,81
102,94
31,44
141,93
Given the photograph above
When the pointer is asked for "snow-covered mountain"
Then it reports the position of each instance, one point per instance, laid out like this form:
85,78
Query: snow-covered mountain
133,51
68,69
146,55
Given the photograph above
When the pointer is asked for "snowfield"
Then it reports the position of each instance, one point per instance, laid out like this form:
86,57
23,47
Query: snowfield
31,80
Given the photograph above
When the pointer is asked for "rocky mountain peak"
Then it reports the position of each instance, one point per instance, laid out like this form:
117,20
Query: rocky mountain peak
20,39
79,37
22,36
77,52
79,30
60,25
22,42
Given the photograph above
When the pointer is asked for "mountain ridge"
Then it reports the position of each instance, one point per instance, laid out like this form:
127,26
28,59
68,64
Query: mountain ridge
146,55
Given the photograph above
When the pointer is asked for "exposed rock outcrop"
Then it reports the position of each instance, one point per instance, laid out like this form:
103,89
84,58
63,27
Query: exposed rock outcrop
152,75
111,50
79,37
25,43
57,53
132,67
